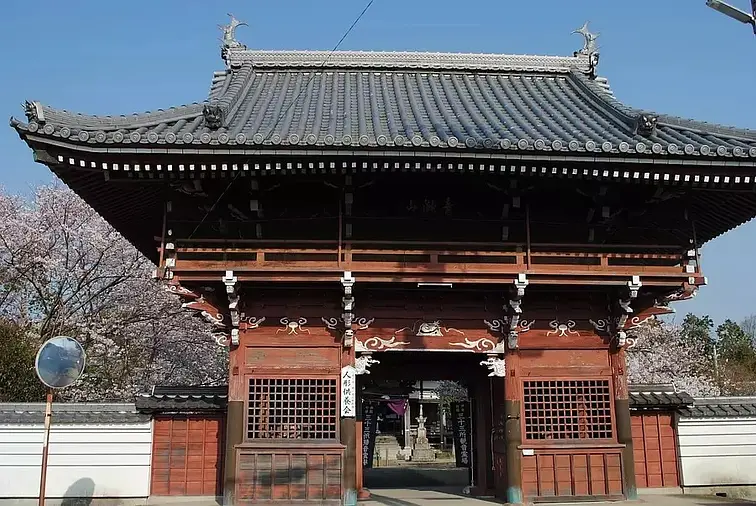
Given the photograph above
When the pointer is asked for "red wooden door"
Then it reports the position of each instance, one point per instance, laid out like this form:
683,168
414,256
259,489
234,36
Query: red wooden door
187,455
655,450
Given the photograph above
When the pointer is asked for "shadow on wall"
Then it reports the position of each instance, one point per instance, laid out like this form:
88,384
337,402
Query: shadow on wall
80,493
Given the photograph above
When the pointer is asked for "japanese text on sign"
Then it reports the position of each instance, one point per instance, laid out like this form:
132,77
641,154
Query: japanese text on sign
348,392
461,429
368,434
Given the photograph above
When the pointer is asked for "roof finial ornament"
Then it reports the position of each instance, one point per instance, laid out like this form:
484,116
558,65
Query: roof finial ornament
590,48
34,111
229,36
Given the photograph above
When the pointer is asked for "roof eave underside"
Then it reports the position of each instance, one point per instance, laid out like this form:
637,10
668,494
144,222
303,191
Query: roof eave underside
123,204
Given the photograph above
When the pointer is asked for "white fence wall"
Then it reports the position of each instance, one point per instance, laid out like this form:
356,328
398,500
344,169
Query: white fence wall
717,451
84,460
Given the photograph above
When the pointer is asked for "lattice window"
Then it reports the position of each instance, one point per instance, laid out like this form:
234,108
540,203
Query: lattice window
292,408
568,409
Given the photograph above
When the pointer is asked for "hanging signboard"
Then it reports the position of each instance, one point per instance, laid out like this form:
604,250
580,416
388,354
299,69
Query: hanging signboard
348,392
369,427
460,415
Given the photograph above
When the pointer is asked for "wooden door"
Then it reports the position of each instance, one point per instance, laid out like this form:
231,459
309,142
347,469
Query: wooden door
655,450
187,455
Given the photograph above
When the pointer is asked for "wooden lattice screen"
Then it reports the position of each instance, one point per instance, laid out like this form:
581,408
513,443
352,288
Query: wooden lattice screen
568,409
292,408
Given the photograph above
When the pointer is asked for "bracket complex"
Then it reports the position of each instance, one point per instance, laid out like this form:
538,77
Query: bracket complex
347,304
497,365
615,324
233,305
514,309
624,310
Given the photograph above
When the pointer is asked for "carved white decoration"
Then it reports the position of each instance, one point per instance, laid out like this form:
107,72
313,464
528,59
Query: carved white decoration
364,323
621,338
252,322
429,329
501,325
235,337
605,326
362,363
562,329
221,338
482,344
495,325
333,323
347,304
293,327
376,343
496,366
513,340
633,286
600,325
348,391
637,322
520,284
524,326
215,319
180,290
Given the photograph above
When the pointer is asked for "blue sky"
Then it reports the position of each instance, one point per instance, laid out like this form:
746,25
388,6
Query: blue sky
672,56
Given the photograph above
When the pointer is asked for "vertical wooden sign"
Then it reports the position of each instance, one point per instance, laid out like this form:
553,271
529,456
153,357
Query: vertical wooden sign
460,415
369,427
348,392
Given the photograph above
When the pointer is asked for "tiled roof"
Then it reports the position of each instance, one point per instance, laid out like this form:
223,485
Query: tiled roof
403,101
655,397
183,399
721,407
70,413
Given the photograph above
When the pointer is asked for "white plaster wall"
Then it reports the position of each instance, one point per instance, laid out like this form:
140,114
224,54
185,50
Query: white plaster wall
717,451
84,460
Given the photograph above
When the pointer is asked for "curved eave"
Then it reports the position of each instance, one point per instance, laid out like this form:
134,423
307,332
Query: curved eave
134,210
573,153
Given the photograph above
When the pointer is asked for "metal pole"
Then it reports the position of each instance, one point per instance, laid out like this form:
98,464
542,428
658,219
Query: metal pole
716,365
45,447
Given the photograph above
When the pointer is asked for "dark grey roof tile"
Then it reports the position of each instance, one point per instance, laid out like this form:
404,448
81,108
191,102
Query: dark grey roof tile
70,413
656,397
721,407
406,102
183,399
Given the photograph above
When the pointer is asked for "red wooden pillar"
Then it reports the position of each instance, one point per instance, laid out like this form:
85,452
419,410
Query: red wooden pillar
349,440
234,423
513,427
482,416
622,417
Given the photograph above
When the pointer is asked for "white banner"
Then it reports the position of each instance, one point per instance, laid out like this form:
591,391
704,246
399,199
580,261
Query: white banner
348,392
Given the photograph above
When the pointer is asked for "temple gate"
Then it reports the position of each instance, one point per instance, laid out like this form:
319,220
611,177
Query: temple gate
326,211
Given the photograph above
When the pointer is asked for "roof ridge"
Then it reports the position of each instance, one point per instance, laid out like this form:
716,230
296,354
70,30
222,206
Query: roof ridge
406,59
738,398
694,126
706,128
40,113
607,100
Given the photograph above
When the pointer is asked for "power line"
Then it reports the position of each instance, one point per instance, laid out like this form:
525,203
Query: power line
283,114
